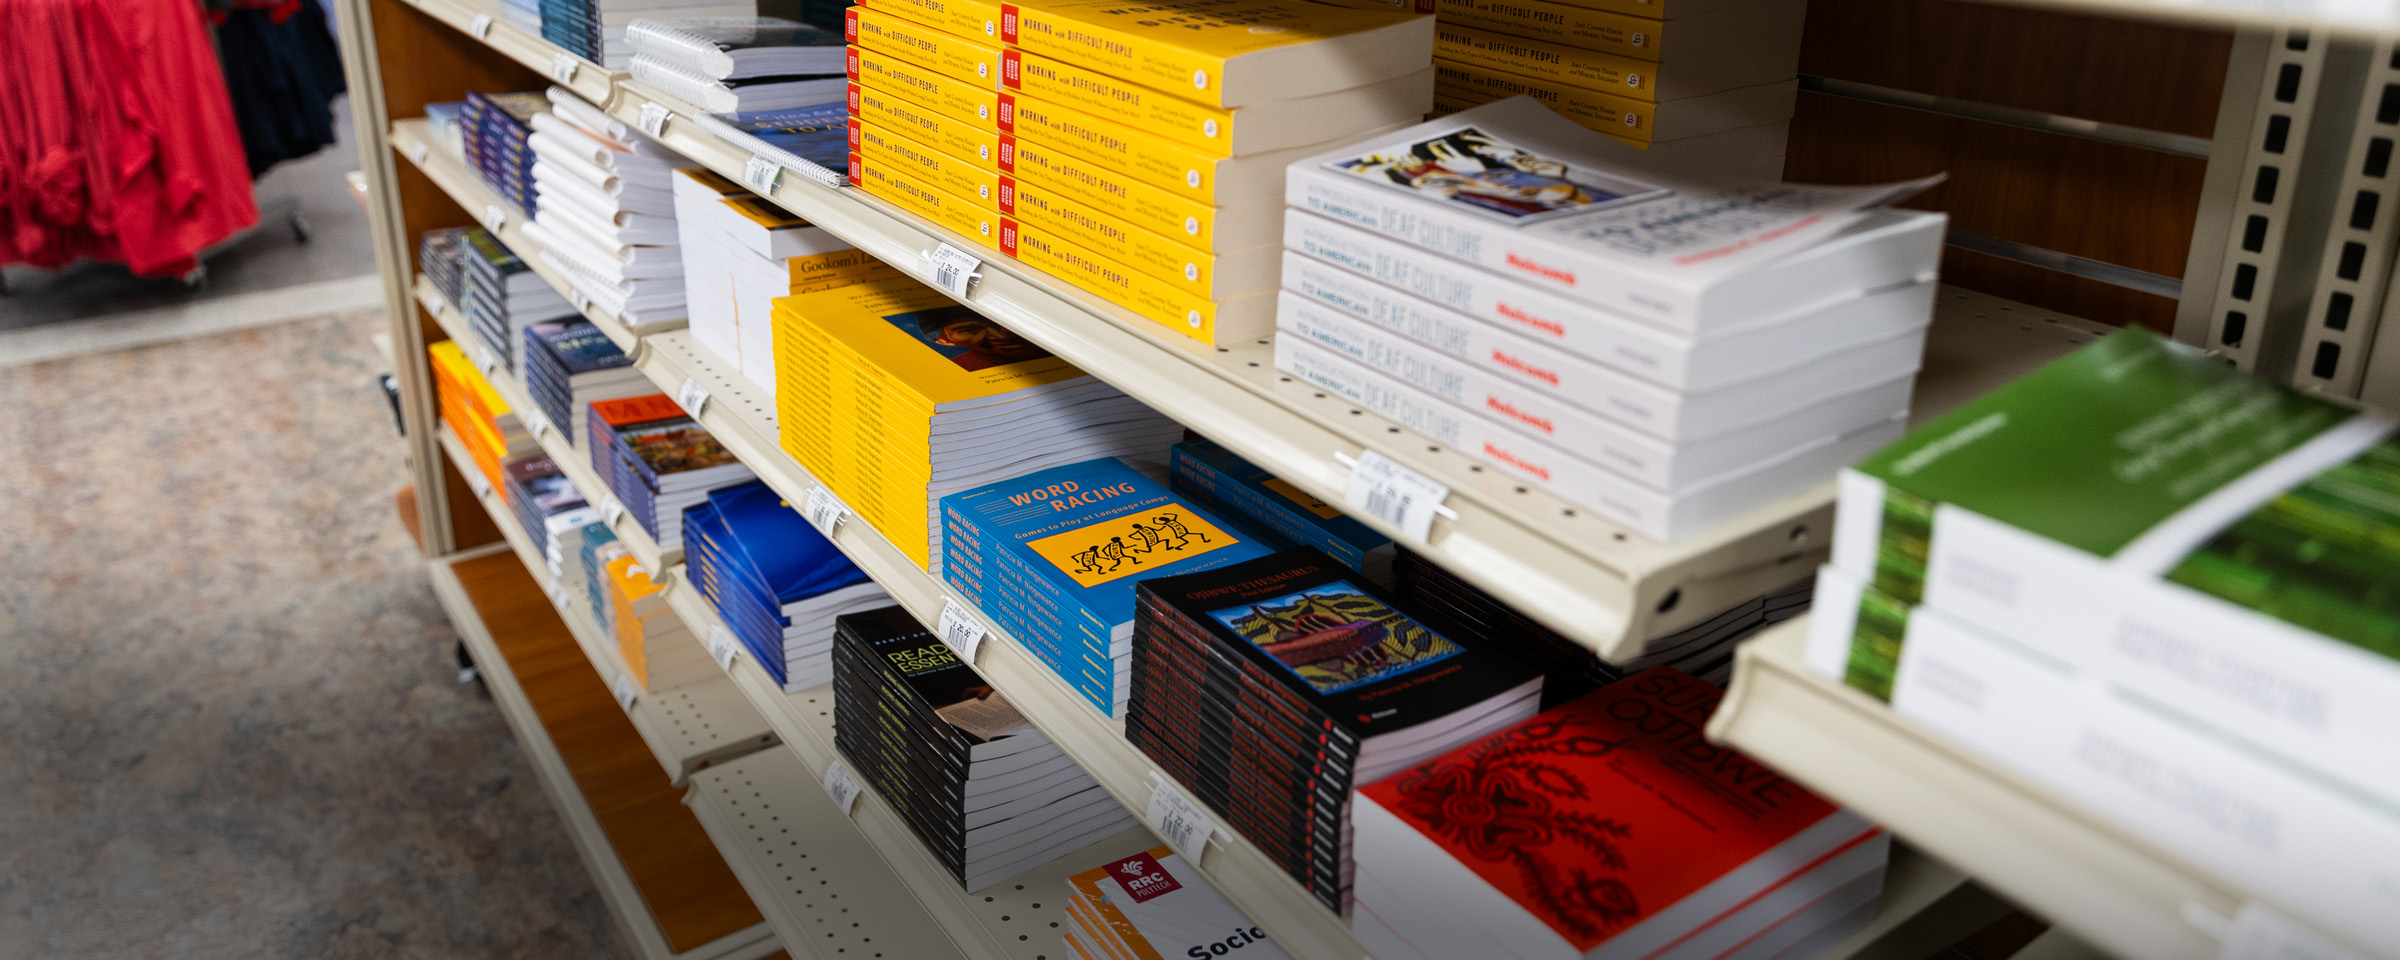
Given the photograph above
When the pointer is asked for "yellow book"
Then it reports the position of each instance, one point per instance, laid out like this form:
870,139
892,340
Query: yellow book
1621,117
937,129
922,45
1212,276
1115,193
946,172
1631,36
964,99
890,324
1222,53
1153,159
1147,297
821,270
899,185
1558,63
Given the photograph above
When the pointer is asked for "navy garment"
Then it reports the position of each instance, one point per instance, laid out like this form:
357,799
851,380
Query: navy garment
283,72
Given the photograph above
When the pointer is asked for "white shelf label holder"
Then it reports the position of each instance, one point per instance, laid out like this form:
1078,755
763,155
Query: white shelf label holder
953,269
1179,821
960,631
1395,494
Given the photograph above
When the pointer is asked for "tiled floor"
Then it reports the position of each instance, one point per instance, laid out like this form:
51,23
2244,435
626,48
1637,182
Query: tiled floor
230,724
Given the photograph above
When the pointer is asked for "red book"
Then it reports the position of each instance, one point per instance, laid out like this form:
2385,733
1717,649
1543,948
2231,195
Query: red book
1608,827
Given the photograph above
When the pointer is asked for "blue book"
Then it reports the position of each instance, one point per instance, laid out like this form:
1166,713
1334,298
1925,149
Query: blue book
1213,474
801,138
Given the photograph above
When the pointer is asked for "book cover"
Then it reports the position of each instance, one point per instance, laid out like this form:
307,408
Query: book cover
578,345
972,101
928,344
1472,169
1156,907
959,57
942,685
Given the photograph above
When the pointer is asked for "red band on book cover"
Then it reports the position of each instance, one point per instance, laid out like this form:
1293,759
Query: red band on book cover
1008,23
1008,196
850,24
1007,121
857,138
1008,237
850,62
1007,160
858,166
854,93
1012,67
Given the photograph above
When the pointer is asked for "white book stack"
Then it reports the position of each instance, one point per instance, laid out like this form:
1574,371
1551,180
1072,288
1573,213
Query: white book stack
740,253
739,64
1492,279
605,214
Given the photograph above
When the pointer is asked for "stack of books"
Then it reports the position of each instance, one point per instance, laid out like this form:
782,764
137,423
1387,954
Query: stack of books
738,64
659,652
740,252
524,15
657,461
812,141
493,128
1669,353
1156,904
1704,649
1608,827
503,297
596,29
492,433
605,217
1236,487
441,257
896,396
536,491
1721,93
1127,150
1270,688
2139,578
582,546
776,582
988,793
570,363
1051,557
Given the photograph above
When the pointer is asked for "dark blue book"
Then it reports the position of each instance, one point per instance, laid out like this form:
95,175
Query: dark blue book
814,140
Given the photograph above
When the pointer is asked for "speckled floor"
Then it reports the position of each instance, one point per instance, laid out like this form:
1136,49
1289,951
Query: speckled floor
230,724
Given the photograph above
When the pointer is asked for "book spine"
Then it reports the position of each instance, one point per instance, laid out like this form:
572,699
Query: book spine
1149,158
966,18
902,188
936,128
1557,63
2228,810
957,98
957,176
1502,249
959,57
1093,226
1190,222
1188,74
1154,300
1208,128
1622,117
1639,37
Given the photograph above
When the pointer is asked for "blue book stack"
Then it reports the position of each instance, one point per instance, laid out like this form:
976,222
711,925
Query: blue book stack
493,128
501,295
574,25
1053,556
775,581
659,465
570,363
1232,485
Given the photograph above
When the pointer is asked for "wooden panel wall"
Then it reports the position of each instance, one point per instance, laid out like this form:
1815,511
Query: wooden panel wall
2114,204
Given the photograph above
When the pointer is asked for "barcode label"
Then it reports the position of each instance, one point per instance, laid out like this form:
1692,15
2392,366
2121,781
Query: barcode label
536,423
722,646
417,152
843,786
761,174
654,119
1394,494
691,397
562,68
476,482
1178,821
824,510
481,26
494,217
960,631
612,510
953,269
625,690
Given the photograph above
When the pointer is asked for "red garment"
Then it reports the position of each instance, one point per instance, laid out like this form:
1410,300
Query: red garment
117,139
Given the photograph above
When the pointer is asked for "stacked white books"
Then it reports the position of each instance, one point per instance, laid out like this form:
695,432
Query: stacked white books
740,253
605,213
739,64
1669,354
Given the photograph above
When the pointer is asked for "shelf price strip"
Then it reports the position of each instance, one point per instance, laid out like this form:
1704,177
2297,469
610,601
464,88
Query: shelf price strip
960,631
1395,494
843,786
953,269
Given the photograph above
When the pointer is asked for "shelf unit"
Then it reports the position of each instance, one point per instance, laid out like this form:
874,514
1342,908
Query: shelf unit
688,727
478,589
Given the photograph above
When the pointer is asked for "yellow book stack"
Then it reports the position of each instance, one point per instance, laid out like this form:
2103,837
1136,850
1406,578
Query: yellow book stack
483,422
657,649
1133,151
1715,79
895,396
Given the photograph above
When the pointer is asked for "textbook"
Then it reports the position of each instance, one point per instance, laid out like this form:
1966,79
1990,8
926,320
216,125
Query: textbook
776,582
1625,76
1676,848
807,140
723,48
895,395
1239,488
781,91
1220,53
1574,213
1155,905
1056,555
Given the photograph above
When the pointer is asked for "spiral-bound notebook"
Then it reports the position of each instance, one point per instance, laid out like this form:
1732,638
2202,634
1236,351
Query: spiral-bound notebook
725,48
812,141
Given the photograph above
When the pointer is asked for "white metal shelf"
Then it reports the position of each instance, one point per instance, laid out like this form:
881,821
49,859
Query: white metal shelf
687,727
2056,858
624,901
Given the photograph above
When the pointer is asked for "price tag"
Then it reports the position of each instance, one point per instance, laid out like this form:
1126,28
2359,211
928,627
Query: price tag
476,482
1178,821
488,361
481,26
494,217
842,786
1395,494
960,631
612,510
692,397
417,152
536,423
761,174
722,646
440,304
581,301
953,269
562,67
824,510
625,690
654,119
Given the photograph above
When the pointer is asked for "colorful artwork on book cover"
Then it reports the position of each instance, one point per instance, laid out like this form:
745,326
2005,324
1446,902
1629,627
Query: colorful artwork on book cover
1123,546
1337,637
967,338
1482,173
